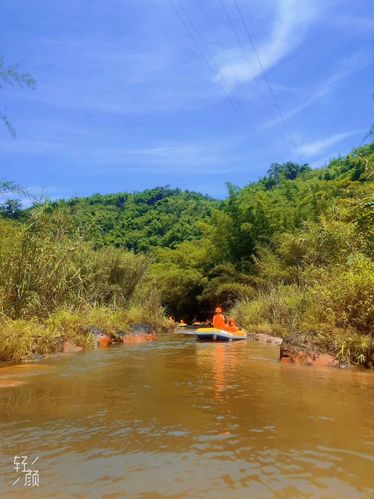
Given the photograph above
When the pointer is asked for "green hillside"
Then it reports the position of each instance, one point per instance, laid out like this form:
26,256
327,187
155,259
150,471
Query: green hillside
159,217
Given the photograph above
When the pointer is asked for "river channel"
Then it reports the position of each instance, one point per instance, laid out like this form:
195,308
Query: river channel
179,418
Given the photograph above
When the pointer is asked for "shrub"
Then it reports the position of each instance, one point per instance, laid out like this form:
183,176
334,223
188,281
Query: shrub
344,296
276,312
19,338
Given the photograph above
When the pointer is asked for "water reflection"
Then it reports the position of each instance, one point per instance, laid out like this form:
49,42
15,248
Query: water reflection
218,361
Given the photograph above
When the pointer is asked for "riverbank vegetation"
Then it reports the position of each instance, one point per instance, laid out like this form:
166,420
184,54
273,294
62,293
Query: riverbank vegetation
289,254
54,286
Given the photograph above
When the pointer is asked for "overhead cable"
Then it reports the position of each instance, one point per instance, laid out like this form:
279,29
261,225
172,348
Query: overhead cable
199,43
263,72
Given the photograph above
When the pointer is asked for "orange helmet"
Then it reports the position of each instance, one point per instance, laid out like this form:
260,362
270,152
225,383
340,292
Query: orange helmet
218,310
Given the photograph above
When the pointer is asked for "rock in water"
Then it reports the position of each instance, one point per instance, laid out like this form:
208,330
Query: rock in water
95,331
140,328
267,339
140,333
70,347
297,350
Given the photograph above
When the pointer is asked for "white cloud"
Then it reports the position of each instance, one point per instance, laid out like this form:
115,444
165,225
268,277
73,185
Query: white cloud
93,150
167,151
346,67
292,19
319,146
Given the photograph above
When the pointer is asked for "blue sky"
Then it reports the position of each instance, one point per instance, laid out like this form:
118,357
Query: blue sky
128,99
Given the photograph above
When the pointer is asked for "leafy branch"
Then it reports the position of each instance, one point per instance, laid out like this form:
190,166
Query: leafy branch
11,76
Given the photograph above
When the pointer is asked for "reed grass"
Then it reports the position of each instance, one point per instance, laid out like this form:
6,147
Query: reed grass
54,286
333,306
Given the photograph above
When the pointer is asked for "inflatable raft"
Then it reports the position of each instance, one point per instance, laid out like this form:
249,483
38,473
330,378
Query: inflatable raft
185,332
212,334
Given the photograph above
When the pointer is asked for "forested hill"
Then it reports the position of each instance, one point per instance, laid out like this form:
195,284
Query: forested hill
289,196
159,217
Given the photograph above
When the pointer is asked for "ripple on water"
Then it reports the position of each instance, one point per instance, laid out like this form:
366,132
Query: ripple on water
25,369
10,383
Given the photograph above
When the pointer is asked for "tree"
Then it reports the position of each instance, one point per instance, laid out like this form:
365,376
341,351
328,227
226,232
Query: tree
11,208
288,170
11,76
370,134
9,186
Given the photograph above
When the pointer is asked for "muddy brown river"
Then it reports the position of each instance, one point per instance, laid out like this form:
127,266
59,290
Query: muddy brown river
177,418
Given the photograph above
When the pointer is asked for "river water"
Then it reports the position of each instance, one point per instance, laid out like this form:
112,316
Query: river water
178,418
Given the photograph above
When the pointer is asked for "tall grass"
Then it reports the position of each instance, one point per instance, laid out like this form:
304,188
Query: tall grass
334,307
54,285
277,311
45,265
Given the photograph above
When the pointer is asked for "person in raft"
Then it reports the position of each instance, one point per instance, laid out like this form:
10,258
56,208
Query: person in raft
220,323
219,319
231,326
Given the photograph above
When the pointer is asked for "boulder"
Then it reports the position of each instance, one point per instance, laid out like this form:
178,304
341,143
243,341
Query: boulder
70,347
102,339
141,328
139,333
131,338
95,331
267,339
301,351
34,357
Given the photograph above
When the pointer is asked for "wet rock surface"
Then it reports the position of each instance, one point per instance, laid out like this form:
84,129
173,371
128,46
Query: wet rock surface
71,347
141,328
267,339
95,331
139,333
139,338
301,351
102,339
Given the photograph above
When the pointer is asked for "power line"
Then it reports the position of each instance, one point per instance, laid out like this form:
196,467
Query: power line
264,74
231,24
214,68
195,36
220,46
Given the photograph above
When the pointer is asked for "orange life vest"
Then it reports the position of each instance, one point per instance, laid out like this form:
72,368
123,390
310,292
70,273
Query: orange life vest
219,321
